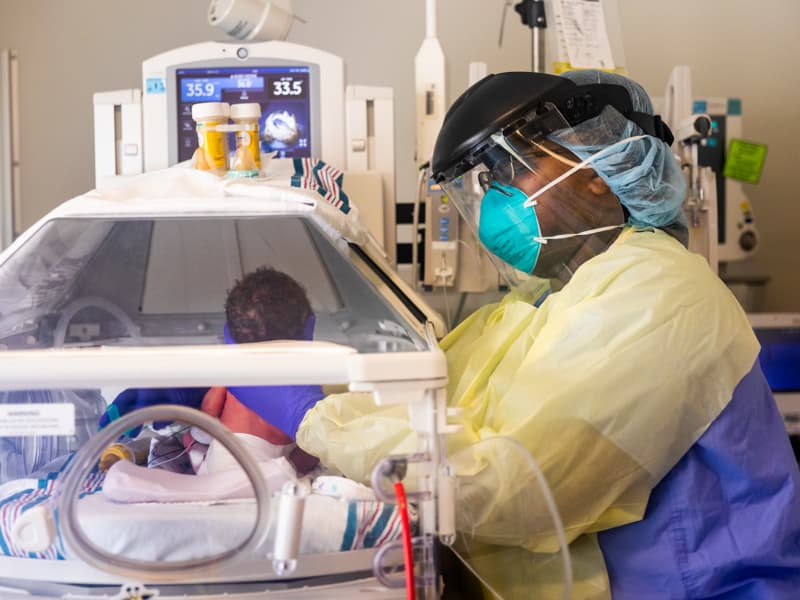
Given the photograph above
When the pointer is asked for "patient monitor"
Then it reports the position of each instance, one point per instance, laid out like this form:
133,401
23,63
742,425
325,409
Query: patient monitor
306,112
303,85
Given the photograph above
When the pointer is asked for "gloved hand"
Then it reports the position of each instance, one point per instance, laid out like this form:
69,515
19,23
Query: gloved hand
133,398
282,406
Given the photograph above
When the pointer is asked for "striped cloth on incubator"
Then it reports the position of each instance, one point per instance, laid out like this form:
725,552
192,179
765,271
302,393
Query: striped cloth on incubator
371,524
318,176
21,495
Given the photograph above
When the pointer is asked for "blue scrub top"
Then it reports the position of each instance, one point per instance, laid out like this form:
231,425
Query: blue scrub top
725,521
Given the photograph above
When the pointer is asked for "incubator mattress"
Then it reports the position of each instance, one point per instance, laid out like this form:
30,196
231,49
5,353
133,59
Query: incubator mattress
178,531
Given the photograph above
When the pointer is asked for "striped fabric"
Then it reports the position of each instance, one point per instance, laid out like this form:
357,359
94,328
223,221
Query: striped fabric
318,176
34,493
370,524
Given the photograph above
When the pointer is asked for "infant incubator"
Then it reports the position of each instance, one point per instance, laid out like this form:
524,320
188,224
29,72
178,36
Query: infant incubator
125,289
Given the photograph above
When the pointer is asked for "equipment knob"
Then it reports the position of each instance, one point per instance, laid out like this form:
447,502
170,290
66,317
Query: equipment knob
748,241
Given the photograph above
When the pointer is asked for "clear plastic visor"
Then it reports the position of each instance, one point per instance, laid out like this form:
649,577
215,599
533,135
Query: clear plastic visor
556,202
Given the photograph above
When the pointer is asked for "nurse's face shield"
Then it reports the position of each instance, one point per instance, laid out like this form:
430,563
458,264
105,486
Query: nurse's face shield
545,196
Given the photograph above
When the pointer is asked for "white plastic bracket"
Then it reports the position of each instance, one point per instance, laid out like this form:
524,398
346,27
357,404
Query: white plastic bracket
398,392
289,526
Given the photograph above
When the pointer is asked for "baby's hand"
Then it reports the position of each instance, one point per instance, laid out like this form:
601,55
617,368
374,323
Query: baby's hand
302,461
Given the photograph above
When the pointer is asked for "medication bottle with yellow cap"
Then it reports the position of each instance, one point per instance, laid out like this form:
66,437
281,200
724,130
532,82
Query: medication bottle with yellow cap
247,158
135,451
212,143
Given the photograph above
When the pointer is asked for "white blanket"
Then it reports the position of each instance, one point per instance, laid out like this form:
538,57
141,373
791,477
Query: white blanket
170,532
150,514
127,483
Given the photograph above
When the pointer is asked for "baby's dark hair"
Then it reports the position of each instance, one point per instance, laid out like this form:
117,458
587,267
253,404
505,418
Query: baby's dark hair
267,305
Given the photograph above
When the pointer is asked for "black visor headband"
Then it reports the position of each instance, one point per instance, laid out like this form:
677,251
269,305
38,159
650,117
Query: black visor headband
575,104
585,102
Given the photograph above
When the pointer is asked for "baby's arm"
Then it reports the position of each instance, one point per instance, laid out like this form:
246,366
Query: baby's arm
214,401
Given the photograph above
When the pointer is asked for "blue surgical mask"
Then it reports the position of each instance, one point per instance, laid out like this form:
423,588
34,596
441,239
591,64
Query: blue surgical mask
508,228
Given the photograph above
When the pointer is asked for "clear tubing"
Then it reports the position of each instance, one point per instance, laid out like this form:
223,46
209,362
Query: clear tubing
154,571
395,464
566,561
550,504
422,545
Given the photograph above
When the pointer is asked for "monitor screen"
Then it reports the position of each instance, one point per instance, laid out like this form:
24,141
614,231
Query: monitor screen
282,91
780,358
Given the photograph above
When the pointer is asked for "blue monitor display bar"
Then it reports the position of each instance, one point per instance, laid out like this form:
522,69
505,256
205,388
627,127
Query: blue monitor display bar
282,91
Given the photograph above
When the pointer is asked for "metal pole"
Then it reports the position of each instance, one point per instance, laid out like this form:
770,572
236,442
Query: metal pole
430,18
532,14
538,50
9,161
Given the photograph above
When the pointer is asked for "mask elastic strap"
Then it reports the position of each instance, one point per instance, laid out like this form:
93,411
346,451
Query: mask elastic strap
500,140
564,236
556,156
531,201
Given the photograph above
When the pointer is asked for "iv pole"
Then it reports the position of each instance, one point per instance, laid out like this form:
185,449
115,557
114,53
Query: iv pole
532,14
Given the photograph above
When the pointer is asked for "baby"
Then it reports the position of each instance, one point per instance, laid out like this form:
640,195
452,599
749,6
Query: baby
262,440
265,305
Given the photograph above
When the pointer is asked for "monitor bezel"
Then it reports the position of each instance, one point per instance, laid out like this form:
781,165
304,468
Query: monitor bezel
156,78
173,94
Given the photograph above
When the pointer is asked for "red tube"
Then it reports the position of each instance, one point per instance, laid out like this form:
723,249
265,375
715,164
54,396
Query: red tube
408,552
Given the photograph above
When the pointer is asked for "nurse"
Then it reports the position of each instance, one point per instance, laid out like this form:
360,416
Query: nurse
635,384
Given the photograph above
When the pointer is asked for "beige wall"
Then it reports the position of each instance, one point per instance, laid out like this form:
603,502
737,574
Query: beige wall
750,50
69,49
